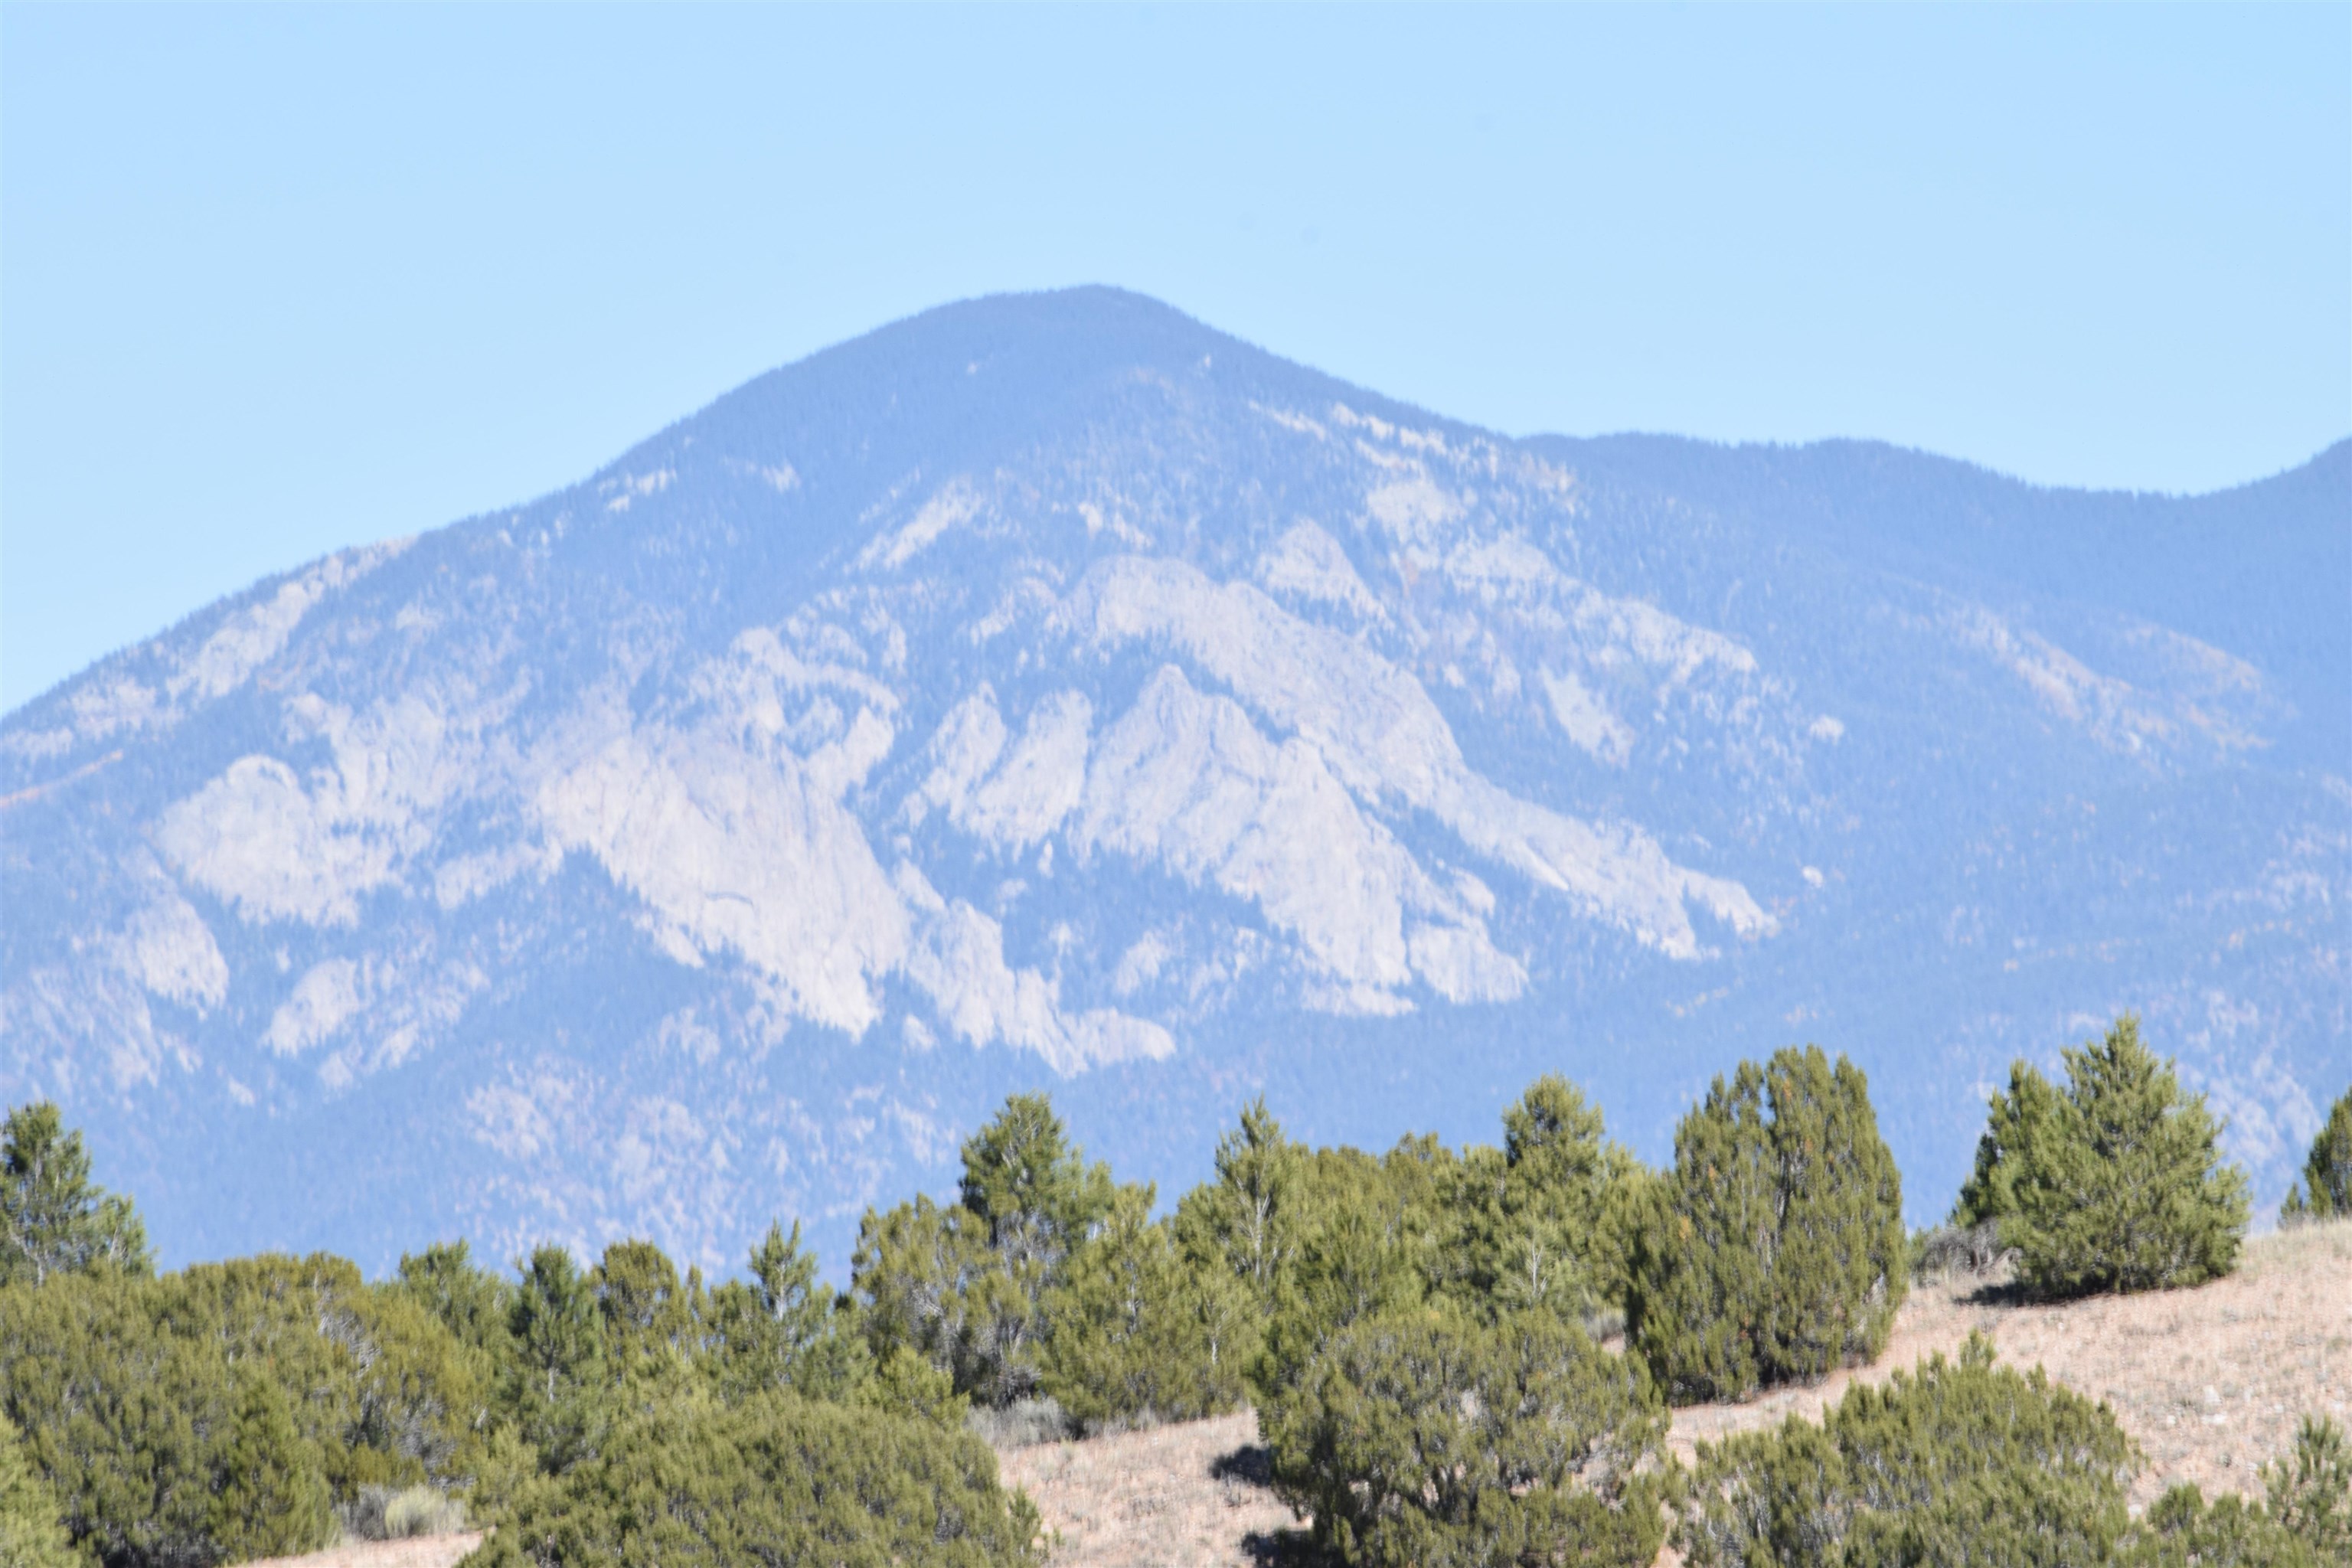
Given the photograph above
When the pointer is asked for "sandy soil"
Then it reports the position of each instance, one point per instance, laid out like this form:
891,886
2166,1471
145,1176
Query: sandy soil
423,1551
2210,1382
1191,1494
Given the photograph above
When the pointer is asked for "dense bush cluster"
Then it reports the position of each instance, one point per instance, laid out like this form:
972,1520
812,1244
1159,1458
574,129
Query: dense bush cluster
1457,1356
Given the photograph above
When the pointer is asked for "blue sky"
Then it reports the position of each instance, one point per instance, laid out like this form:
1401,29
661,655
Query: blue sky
277,280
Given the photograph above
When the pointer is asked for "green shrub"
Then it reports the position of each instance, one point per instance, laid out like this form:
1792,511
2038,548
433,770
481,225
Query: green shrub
133,1395
272,1500
2326,1190
689,1482
1427,1438
2184,1530
2115,1183
1957,1463
1774,1250
30,1534
2310,1491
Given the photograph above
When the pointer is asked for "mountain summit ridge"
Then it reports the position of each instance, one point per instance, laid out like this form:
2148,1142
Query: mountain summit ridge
1048,689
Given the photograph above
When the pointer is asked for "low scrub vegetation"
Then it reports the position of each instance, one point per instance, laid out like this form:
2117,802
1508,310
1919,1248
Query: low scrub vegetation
1429,1335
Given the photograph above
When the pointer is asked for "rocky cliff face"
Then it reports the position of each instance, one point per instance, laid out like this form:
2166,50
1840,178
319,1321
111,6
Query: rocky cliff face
1052,691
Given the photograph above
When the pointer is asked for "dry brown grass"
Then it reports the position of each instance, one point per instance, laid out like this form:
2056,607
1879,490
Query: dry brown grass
1191,1495
2210,1382
418,1551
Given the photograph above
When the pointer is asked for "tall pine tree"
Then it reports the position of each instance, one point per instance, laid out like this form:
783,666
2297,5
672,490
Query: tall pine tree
53,1218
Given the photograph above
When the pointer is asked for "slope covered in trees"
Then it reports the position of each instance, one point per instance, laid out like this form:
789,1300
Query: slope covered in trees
1456,1356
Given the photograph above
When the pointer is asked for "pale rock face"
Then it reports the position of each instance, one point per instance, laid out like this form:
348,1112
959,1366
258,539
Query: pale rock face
960,962
324,999
1187,781
1586,720
759,857
258,839
1311,563
1012,801
172,950
956,504
252,637
1377,729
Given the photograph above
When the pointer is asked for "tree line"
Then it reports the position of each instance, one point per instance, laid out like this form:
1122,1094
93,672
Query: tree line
1456,1356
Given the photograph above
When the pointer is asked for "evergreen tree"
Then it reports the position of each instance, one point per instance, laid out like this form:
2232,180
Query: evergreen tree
782,1329
1547,1210
30,1534
554,1383
1775,1250
1138,1331
966,1287
2119,1184
472,1303
2016,1119
2328,1173
271,1501
1363,1250
915,1269
1244,1220
1031,1188
53,1218
652,1324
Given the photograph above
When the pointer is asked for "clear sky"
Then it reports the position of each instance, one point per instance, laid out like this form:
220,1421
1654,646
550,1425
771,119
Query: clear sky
280,280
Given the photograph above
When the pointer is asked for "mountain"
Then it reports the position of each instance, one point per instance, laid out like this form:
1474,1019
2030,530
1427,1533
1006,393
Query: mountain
1051,692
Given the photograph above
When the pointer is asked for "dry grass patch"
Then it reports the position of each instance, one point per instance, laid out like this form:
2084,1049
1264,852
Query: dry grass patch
418,1551
1190,1495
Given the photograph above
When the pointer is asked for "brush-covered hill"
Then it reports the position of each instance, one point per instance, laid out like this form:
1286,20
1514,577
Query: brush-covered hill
1050,690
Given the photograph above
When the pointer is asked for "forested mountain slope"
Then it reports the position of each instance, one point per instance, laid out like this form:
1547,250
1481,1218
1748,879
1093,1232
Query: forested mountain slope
1051,690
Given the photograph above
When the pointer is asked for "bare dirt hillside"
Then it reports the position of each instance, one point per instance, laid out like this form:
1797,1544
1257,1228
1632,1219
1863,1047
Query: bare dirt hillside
2210,1382
423,1551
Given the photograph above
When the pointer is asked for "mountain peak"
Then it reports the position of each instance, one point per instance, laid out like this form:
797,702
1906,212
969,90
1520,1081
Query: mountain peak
1048,690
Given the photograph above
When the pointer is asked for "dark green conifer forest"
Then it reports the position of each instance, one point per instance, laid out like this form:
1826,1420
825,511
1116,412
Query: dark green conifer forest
1457,1356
